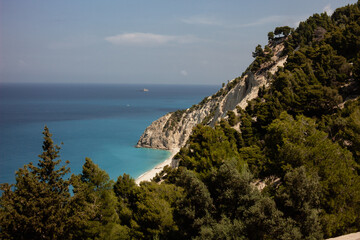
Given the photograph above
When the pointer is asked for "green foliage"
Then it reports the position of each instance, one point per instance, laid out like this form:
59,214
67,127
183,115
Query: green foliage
208,148
295,143
255,159
261,57
299,198
309,84
125,189
265,221
174,119
193,210
295,132
154,210
246,129
271,36
345,128
232,119
95,205
282,31
233,136
258,52
242,207
127,192
224,229
232,191
346,36
37,206
304,34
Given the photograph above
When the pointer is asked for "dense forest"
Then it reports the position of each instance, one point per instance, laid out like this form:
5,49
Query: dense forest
291,172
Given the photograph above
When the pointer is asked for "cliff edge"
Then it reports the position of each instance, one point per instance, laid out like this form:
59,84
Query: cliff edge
172,130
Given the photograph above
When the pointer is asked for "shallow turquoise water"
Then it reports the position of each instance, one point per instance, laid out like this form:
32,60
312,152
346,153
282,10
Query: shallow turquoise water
103,122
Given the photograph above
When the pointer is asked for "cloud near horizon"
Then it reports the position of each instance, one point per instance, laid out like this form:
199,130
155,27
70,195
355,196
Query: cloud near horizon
150,39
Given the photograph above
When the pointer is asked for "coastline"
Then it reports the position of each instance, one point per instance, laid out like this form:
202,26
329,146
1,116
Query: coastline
147,176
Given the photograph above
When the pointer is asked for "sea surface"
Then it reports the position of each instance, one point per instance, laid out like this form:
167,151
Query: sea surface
99,121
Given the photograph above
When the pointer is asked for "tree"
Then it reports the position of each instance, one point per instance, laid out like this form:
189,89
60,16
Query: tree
246,129
37,206
264,221
282,31
125,188
292,143
231,190
224,229
351,133
299,198
232,119
95,203
258,52
207,148
154,211
254,157
194,210
271,36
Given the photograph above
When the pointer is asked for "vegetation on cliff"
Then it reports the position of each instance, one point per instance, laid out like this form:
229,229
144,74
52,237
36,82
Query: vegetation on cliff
290,172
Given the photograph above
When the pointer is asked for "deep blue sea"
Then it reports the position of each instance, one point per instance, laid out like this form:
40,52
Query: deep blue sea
100,121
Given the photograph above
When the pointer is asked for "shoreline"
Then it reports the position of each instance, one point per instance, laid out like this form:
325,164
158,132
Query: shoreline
148,175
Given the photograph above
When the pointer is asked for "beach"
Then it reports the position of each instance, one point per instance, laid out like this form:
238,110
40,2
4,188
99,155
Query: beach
352,236
147,176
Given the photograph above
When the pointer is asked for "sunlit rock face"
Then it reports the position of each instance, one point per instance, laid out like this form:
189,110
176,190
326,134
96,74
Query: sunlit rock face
172,130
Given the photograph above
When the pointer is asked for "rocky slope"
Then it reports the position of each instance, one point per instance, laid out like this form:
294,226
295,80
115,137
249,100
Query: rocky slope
173,130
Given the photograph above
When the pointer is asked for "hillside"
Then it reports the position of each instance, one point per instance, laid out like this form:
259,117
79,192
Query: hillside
296,108
174,129
274,154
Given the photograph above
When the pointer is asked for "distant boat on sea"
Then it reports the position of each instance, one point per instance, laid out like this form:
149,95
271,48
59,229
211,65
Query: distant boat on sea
143,90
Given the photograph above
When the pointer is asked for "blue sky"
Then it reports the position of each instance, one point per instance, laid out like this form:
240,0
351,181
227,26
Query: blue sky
140,41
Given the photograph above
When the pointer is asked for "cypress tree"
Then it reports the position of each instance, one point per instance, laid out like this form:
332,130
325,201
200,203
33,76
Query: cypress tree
36,206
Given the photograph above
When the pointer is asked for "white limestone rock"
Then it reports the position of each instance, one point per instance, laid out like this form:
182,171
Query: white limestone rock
174,129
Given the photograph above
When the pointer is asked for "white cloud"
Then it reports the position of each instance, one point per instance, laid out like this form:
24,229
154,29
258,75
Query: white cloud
184,73
328,10
146,39
200,20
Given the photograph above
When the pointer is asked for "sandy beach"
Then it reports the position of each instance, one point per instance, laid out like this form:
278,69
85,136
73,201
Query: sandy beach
352,236
147,176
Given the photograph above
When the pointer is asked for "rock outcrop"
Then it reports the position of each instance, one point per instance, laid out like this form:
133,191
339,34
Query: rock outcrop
173,130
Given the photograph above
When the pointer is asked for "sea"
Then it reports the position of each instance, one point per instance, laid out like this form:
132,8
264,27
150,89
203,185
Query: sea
99,121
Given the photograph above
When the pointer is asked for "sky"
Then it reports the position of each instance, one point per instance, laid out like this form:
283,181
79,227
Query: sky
140,41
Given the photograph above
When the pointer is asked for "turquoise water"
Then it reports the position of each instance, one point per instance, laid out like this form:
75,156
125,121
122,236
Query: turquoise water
103,122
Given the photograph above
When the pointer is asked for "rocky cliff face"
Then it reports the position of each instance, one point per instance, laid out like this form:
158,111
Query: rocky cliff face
173,130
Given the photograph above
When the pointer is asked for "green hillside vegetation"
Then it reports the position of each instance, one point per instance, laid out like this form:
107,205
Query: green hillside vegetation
291,172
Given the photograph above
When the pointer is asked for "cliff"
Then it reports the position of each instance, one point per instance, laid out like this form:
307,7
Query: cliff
173,129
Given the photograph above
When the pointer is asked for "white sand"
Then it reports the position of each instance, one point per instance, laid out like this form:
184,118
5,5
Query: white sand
147,176
352,236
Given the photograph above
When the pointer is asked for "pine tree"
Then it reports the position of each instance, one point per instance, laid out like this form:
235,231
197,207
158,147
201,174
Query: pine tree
94,205
36,207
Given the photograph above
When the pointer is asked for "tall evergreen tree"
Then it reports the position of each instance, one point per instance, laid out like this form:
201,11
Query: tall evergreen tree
94,205
195,209
36,207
